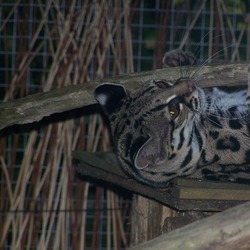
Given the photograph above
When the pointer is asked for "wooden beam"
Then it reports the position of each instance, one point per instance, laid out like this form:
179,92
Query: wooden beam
35,107
207,190
182,193
227,230
105,167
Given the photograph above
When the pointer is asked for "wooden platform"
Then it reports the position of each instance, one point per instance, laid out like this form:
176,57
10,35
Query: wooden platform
182,193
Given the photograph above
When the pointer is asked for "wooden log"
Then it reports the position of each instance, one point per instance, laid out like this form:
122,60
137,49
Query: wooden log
227,230
35,107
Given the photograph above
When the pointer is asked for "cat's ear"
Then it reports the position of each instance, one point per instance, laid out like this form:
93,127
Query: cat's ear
109,96
148,154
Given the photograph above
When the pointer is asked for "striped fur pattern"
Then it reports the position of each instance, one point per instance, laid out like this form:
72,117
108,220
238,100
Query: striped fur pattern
169,129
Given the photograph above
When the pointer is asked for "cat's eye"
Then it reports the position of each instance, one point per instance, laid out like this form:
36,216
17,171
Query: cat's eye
174,107
173,113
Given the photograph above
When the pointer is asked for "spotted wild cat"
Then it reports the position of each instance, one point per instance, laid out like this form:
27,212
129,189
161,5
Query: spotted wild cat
169,129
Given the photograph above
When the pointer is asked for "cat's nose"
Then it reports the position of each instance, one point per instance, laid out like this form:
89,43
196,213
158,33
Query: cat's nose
187,84
190,87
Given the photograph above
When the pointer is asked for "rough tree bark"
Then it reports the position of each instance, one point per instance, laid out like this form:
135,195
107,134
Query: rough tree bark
35,107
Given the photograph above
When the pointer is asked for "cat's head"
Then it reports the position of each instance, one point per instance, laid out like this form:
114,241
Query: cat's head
152,128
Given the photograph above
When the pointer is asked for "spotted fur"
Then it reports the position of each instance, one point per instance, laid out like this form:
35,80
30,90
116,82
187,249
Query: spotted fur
169,129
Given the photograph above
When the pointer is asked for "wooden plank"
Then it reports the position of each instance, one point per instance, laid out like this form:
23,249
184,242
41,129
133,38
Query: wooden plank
212,194
106,161
223,231
198,183
105,167
182,193
204,205
205,190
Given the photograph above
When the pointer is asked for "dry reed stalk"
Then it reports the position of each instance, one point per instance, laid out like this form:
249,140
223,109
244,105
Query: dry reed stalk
128,42
211,27
23,179
57,184
109,235
49,87
27,58
120,222
78,219
17,201
230,26
67,162
83,220
184,40
161,33
54,196
47,183
37,184
238,42
5,226
97,215
91,144
22,228
223,35
61,237
81,197
114,220
6,19
50,185
5,192
30,229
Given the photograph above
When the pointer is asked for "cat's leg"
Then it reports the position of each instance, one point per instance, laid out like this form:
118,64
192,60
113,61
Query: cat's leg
178,57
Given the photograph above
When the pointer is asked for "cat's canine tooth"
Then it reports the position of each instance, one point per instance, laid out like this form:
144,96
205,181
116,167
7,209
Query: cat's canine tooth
181,107
170,98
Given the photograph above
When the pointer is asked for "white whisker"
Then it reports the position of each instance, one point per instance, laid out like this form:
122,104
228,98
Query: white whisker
209,60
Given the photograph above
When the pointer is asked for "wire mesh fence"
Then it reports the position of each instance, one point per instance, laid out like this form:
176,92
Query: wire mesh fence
50,44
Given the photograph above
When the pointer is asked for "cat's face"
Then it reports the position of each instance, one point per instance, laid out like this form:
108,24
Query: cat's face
152,128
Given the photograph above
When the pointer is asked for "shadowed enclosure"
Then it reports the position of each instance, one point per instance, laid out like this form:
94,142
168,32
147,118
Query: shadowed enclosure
47,45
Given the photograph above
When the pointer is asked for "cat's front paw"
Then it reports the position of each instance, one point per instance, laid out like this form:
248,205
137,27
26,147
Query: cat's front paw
178,57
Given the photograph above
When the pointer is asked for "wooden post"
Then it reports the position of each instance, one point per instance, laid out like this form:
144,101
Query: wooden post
226,230
148,218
